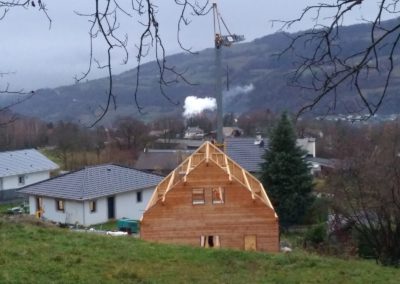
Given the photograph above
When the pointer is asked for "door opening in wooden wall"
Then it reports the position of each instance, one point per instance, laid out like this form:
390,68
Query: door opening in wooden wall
250,242
210,241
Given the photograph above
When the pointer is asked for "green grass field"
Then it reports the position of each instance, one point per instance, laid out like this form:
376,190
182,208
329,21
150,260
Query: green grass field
31,252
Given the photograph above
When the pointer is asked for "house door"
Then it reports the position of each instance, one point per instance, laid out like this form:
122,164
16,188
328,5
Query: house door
111,207
250,242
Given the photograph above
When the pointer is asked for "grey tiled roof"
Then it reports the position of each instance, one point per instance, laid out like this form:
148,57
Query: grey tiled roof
244,152
166,160
94,182
24,161
329,163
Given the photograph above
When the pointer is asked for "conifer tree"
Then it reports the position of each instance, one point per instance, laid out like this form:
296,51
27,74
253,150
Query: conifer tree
286,175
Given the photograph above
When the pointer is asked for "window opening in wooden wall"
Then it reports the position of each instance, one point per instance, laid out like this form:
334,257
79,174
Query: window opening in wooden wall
218,195
210,241
198,196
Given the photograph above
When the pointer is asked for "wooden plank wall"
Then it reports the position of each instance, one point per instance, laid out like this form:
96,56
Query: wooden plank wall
177,220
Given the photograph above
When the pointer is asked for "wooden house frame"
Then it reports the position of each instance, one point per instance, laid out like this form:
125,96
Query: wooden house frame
210,201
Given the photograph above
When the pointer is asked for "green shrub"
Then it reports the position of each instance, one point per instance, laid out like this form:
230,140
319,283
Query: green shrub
316,234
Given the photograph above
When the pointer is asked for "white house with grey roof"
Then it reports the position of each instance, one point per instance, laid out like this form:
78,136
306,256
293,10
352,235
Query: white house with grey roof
21,168
248,152
93,195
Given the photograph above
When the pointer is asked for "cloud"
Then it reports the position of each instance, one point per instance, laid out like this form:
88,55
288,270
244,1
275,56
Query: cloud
194,105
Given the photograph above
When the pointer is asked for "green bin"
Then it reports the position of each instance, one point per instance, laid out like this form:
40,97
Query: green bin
128,225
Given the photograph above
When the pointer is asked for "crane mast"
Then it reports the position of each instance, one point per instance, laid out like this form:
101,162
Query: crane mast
220,41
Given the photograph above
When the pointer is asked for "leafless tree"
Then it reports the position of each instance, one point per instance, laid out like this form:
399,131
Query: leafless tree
105,27
105,24
366,190
324,68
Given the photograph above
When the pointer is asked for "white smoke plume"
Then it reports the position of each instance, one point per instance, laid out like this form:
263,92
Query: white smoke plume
233,92
194,105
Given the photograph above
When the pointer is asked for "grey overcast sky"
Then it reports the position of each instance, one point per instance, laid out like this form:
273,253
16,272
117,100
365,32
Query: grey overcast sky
38,57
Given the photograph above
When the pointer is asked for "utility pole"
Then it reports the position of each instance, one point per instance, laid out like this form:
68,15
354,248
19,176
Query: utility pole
221,41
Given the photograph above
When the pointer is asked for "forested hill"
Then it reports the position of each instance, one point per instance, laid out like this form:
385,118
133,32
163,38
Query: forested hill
252,67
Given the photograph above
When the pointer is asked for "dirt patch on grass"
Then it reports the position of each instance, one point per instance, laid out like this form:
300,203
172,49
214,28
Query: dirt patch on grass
28,220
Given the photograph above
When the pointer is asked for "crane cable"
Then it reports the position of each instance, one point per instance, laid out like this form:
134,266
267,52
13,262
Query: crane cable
217,20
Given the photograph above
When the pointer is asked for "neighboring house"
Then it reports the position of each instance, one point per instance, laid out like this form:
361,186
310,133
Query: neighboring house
322,166
227,131
92,195
161,161
232,131
182,144
194,133
210,201
308,145
21,168
248,152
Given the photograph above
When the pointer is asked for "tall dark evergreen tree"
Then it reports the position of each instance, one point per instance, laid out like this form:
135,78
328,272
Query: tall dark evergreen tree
286,175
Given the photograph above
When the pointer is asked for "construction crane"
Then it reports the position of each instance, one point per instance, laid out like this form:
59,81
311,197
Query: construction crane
221,40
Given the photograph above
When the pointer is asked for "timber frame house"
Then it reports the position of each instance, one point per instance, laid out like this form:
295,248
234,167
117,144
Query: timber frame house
210,201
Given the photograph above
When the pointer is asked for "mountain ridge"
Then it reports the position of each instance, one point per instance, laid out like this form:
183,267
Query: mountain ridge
248,63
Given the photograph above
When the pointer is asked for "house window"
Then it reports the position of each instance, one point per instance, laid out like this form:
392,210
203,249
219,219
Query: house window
60,205
210,241
217,195
92,206
198,196
21,180
139,197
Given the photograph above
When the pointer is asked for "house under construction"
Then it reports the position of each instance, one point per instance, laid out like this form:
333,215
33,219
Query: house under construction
210,201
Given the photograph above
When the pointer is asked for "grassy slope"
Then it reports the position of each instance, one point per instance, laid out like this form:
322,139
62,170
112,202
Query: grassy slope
36,254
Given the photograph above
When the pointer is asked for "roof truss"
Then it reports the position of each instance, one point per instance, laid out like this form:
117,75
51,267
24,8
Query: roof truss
210,153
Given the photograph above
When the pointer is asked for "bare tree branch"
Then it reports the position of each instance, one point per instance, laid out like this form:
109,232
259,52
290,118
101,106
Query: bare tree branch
324,68
104,24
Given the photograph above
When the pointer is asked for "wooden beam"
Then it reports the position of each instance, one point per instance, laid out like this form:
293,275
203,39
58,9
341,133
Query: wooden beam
248,184
170,183
228,168
189,165
207,153
266,197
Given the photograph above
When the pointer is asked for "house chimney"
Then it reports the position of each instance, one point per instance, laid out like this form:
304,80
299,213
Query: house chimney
259,140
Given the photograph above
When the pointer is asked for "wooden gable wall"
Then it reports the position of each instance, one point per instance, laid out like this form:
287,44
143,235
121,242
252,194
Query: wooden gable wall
176,220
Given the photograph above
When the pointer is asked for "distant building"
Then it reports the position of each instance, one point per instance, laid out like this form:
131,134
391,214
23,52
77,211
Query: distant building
161,161
92,195
227,131
248,152
178,144
21,168
308,145
194,133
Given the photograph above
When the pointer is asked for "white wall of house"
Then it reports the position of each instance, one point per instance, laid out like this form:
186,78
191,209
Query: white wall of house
126,205
99,216
308,145
12,182
73,210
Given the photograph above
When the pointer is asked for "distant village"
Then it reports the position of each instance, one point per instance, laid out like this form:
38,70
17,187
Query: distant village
85,177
